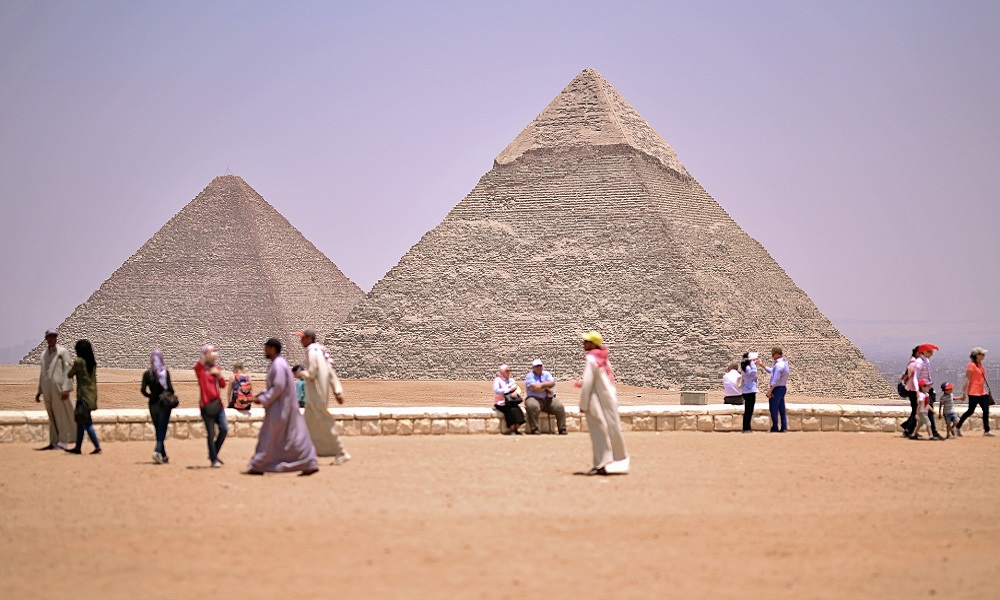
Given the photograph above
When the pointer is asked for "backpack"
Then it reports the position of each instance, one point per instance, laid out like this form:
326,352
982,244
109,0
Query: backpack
243,392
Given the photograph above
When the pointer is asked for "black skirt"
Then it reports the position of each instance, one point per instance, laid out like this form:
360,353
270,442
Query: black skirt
511,413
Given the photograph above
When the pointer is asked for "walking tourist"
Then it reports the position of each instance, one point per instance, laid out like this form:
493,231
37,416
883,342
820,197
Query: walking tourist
732,385
976,389
910,387
241,390
749,388
321,378
922,370
506,398
159,390
779,386
55,385
284,443
923,408
212,412
599,403
540,386
947,413
85,370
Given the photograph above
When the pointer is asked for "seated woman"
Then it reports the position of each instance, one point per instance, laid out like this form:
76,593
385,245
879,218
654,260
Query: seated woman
506,398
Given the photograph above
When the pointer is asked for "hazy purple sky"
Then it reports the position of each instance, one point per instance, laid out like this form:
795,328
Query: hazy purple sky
858,141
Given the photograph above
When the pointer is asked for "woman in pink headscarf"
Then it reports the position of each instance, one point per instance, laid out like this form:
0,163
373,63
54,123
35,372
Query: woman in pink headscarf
506,398
158,389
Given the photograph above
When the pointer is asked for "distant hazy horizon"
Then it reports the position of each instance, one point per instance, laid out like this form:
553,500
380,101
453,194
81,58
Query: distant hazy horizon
857,141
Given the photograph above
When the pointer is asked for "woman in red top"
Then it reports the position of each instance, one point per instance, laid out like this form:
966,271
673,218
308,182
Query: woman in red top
975,390
209,381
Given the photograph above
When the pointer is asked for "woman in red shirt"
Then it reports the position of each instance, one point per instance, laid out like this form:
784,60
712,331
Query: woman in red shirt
212,412
975,390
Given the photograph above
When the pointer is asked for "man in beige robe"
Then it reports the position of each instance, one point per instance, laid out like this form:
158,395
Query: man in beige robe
55,386
321,379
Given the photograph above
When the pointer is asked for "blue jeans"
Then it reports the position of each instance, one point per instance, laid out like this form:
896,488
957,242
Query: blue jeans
215,443
91,433
160,416
776,404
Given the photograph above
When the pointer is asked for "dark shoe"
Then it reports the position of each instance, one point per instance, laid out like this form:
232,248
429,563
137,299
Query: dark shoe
96,451
49,447
562,432
937,436
253,472
518,433
535,432
593,472
308,472
73,451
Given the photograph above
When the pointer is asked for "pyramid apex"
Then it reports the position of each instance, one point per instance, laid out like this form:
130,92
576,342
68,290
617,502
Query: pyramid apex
590,112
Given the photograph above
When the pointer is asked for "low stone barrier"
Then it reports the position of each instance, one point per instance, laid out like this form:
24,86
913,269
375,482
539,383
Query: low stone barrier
186,423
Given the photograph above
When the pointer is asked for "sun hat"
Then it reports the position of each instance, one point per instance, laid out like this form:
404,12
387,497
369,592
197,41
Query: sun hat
536,363
309,333
593,337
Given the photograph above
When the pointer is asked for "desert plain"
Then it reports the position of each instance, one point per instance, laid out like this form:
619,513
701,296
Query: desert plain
722,515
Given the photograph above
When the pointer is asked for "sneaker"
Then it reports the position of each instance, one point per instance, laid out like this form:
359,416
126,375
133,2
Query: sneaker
216,464
958,432
989,434
341,458
158,458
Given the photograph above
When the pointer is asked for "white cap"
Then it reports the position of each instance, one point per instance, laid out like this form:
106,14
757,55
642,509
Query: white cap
536,363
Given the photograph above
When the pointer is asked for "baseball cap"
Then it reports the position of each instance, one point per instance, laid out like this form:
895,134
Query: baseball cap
536,363
924,382
51,332
306,333
593,337
925,347
947,386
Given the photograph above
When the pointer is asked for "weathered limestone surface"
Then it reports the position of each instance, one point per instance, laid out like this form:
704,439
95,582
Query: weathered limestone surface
588,221
227,269
132,425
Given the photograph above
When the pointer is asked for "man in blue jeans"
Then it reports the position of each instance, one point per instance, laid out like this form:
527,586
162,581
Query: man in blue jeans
779,383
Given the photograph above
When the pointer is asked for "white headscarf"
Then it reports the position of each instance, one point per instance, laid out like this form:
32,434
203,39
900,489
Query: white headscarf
157,366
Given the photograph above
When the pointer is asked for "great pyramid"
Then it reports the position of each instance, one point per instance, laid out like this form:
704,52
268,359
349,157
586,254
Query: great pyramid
588,220
227,269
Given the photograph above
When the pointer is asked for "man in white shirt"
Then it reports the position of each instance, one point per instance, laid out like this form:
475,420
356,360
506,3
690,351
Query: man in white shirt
732,384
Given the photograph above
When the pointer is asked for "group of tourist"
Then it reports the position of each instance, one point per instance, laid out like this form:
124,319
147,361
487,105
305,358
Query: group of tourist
917,385
598,403
739,384
288,441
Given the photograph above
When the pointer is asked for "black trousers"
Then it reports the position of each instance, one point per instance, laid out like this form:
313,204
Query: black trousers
974,401
910,424
748,401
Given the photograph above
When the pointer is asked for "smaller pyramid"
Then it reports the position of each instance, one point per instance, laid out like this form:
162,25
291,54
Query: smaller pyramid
228,269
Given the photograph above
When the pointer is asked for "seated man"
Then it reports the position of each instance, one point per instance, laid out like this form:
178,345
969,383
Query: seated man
540,386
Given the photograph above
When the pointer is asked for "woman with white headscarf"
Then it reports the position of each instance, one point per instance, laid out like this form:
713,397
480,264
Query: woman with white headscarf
158,389
506,397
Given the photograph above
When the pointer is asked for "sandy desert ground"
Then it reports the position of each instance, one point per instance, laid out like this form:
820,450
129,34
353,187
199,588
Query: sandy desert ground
701,516
119,388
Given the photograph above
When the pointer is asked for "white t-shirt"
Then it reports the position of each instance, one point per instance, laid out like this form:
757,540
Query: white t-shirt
730,383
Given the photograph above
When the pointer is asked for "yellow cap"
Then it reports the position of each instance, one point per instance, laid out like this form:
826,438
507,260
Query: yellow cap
592,337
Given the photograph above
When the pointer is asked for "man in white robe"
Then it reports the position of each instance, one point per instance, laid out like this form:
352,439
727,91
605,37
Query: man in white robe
599,403
55,386
321,378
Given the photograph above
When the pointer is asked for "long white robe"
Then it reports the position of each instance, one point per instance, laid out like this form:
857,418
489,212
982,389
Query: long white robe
599,401
321,379
52,382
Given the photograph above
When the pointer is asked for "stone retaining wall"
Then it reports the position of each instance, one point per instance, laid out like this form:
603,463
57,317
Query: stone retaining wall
186,423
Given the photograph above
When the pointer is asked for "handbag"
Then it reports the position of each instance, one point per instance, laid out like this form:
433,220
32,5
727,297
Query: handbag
989,393
212,409
169,400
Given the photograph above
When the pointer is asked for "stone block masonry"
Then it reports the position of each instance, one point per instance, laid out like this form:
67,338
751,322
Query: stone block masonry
185,423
